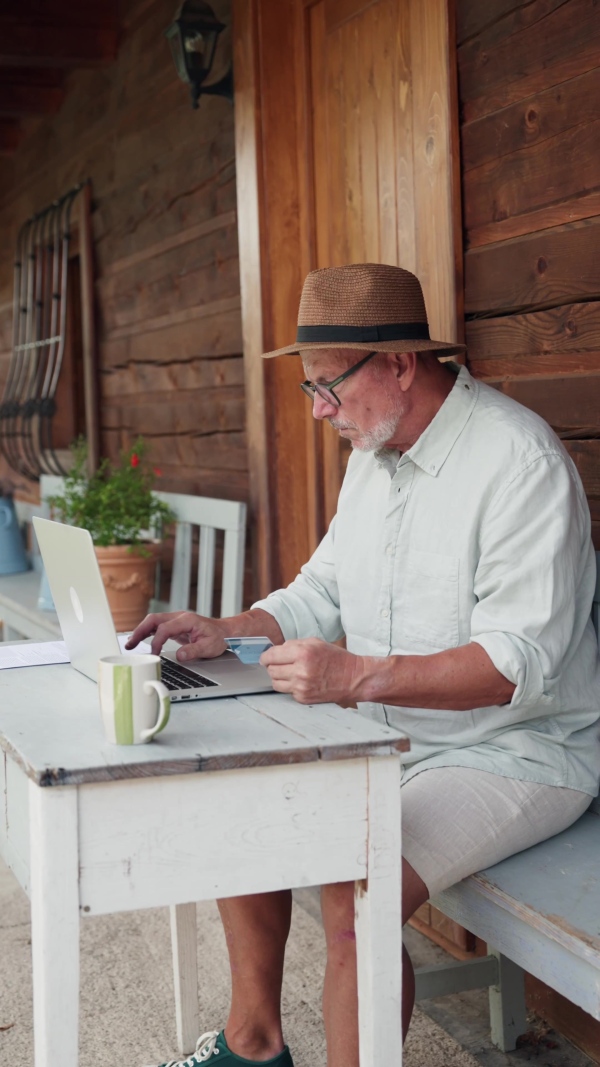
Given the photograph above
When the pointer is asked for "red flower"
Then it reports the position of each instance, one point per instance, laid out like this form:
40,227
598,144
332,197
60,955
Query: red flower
135,460
158,472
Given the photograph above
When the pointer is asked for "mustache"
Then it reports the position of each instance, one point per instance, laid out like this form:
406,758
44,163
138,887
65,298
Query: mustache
339,425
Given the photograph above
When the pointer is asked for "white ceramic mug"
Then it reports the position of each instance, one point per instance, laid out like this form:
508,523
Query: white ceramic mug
135,704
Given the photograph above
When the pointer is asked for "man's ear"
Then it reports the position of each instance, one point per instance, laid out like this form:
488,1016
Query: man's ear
404,366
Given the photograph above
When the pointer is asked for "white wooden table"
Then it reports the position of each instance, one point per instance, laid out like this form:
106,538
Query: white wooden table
237,796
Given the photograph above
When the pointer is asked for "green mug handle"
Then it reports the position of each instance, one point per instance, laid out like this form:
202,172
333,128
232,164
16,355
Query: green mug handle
164,711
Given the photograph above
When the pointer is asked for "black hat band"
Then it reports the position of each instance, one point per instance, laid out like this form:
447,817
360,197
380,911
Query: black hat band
389,331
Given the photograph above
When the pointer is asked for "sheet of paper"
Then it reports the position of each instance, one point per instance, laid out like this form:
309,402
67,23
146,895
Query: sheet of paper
40,653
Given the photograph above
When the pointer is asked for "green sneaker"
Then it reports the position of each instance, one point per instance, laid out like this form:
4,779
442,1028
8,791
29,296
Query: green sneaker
212,1046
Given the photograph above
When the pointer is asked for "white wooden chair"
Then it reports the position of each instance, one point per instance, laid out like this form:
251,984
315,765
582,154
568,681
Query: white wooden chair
210,515
22,618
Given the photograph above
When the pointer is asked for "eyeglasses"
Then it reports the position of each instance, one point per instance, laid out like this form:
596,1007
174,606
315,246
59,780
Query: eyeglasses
325,389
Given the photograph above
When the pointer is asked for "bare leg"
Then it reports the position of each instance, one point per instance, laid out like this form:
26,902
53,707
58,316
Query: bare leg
256,929
340,1003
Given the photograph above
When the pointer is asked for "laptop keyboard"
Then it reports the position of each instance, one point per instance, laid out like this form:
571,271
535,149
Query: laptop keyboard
176,677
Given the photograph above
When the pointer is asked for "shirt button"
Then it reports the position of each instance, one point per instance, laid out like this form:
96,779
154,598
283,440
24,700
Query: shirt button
389,550
384,613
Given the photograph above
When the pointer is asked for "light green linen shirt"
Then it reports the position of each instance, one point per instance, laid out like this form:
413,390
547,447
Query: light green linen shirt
481,532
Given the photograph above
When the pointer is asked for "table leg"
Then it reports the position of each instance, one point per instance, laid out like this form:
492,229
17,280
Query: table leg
379,922
185,975
55,924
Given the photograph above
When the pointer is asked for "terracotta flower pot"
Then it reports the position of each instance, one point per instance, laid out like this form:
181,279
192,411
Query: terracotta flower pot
129,581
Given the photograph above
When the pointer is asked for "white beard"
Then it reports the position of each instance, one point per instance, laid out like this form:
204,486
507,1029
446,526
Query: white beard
372,440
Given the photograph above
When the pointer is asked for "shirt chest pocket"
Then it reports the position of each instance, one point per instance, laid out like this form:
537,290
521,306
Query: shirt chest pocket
426,607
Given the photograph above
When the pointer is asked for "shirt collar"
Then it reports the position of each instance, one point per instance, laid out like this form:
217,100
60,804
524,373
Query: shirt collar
431,450
435,444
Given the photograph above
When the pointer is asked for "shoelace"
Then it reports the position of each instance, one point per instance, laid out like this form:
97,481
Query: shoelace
205,1047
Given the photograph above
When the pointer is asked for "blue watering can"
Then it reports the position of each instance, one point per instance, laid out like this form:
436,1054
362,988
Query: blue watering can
12,551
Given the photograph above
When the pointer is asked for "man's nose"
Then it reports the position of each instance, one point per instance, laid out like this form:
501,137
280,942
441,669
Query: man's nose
323,409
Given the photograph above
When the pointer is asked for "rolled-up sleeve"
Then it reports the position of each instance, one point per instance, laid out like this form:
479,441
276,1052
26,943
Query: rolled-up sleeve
310,605
532,577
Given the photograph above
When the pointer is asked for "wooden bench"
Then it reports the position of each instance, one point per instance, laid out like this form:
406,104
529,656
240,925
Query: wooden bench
538,911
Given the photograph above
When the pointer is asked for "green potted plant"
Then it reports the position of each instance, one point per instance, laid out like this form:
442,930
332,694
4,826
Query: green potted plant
117,505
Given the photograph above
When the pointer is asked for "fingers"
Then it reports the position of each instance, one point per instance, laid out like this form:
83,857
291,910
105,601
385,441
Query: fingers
289,651
209,646
176,625
293,679
309,669
284,687
300,694
201,638
147,627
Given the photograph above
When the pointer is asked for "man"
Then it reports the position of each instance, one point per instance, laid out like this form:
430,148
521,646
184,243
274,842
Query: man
460,570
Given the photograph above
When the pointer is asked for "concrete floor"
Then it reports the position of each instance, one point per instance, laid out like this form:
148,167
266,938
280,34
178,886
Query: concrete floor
127,1015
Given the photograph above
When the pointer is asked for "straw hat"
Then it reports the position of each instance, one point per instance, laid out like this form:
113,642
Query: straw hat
368,306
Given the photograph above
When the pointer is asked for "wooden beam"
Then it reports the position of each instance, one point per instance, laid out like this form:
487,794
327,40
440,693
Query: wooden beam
544,365
29,100
549,267
586,457
10,135
250,196
571,328
436,162
536,118
585,206
528,51
570,405
229,305
55,44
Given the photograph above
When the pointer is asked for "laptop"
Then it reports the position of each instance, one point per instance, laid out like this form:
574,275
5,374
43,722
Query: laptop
89,631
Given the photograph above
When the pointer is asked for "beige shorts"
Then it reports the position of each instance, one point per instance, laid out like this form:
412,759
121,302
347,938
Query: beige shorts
458,820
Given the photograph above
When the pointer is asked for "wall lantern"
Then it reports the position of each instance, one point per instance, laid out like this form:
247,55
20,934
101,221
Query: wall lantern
193,37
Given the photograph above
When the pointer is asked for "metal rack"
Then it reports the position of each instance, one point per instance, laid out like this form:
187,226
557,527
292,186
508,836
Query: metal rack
41,294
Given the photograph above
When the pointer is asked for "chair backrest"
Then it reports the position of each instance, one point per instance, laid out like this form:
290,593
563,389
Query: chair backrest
210,515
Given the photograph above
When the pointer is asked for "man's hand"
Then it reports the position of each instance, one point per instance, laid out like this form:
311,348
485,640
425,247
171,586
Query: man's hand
313,671
202,638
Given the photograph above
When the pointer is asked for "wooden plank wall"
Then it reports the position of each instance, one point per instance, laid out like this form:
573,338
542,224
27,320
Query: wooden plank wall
166,252
529,85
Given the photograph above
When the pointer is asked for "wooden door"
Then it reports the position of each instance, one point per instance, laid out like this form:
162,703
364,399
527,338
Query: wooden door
346,152
381,155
